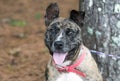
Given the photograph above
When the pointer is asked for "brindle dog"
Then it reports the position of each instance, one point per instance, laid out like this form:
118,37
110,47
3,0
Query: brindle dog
64,41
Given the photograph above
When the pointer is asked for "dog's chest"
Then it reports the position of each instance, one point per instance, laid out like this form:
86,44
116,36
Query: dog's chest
55,75
69,77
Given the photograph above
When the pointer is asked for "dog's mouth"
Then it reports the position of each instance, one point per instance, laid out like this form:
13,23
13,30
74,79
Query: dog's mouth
59,58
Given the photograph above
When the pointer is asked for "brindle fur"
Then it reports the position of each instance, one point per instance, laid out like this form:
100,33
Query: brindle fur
72,43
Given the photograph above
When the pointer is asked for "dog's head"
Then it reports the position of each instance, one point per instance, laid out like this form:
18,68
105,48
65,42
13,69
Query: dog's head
63,35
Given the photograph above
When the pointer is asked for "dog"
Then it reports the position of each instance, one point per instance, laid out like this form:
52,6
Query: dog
71,60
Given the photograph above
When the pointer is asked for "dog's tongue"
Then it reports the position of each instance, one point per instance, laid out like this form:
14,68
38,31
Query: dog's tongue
59,58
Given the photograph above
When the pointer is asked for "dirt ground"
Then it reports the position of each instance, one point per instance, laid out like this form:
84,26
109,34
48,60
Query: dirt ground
23,55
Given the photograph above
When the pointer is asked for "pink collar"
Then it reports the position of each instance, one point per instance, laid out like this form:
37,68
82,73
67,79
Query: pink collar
72,68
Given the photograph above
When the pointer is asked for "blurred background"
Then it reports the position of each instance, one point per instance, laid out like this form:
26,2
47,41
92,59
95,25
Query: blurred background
23,55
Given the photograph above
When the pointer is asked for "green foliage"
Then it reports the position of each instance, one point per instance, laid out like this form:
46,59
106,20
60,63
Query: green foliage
19,23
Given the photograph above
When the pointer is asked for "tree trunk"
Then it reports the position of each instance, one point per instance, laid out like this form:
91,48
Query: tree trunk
101,32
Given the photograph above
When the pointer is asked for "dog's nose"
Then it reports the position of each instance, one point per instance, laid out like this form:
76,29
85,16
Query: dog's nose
58,44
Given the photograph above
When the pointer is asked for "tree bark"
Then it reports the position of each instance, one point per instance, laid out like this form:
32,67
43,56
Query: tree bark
101,32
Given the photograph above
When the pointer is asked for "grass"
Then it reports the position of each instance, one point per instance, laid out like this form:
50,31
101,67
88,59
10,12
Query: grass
18,23
37,16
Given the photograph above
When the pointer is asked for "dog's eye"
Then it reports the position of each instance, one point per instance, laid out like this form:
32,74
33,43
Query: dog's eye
54,30
69,32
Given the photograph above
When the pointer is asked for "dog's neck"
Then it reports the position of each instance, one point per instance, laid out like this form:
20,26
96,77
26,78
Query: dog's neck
76,52
68,67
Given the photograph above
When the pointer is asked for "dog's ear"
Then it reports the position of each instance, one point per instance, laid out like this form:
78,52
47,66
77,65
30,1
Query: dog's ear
77,17
52,12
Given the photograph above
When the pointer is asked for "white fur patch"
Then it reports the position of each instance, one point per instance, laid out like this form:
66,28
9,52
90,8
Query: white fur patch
66,63
59,37
69,77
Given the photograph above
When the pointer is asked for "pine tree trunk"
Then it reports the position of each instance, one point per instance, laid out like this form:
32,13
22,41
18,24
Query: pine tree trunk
101,32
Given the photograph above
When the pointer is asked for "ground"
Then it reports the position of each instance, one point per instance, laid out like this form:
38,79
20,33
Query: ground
23,55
